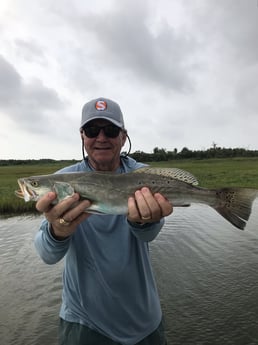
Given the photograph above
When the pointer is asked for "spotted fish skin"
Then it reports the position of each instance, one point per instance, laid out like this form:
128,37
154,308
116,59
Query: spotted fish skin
109,192
175,173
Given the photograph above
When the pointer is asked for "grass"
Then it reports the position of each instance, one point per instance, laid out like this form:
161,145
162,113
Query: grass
9,203
214,173
211,173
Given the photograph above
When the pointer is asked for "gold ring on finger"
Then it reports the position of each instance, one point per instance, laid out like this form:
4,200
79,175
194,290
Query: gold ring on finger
63,222
146,218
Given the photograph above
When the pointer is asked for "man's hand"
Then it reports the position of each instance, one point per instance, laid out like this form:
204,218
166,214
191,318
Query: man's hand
64,216
147,208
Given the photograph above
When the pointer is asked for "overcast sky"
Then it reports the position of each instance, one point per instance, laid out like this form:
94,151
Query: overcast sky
185,73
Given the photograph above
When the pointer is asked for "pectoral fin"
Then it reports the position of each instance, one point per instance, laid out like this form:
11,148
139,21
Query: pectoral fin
63,190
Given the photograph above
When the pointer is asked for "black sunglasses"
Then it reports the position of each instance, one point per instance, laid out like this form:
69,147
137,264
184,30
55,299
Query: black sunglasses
110,131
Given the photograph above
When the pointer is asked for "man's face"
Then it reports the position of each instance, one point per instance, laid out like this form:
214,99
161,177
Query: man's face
103,151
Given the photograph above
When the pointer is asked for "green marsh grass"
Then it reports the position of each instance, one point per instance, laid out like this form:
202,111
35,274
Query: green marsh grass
9,203
215,173
211,173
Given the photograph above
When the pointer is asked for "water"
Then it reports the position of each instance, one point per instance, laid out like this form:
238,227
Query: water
206,272
208,279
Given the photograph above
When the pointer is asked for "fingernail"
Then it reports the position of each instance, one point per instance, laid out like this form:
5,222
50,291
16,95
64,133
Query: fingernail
137,193
51,195
76,196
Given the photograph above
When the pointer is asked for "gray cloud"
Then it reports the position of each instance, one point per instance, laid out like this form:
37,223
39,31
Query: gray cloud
228,32
240,19
27,104
185,71
11,83
124,39
30,51
228,25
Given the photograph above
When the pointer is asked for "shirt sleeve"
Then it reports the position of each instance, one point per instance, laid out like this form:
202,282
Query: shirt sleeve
49,249
146,232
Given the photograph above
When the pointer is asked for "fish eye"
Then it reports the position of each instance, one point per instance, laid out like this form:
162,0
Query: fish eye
34,183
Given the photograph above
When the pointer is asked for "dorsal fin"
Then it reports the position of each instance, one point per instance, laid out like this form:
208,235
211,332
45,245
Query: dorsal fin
175,173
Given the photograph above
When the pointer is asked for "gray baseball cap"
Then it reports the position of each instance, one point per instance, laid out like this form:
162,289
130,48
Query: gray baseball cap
102,108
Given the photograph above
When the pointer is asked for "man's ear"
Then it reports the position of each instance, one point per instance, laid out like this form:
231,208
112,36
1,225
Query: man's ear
81,132
124,136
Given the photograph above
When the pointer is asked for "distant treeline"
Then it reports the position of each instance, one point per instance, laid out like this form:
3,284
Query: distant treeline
6,162
158,155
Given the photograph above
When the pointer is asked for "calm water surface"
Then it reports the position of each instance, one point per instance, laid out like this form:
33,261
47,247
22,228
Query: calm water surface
207,274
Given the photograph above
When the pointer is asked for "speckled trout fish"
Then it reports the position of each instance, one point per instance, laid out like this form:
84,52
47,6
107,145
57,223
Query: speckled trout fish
109,192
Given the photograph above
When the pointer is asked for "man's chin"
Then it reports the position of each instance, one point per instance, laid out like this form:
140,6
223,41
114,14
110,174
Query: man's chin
103,155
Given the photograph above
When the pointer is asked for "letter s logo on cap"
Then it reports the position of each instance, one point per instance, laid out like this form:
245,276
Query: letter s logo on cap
101,105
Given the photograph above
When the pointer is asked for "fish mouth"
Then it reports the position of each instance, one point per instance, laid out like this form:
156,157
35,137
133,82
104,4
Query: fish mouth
24,192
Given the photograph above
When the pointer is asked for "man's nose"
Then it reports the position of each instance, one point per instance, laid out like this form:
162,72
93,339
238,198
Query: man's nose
101,135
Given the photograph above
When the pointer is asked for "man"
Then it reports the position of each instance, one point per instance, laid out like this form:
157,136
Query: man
109,293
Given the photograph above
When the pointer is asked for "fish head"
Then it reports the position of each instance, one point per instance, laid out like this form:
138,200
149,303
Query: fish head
32,188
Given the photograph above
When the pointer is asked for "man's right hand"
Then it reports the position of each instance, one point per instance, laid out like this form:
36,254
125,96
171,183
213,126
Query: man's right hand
64,216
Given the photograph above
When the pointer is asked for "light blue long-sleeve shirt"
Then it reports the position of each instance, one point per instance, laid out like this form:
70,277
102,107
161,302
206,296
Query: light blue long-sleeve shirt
108,283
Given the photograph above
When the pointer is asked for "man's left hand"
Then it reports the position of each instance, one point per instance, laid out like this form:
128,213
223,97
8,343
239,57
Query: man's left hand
146,207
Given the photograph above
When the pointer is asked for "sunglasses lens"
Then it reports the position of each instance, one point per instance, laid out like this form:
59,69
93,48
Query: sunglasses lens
92,131
110,131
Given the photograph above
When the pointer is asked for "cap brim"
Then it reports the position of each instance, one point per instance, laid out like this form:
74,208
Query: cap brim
118,124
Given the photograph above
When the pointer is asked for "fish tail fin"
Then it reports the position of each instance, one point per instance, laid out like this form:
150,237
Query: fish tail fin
235,205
